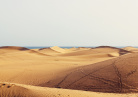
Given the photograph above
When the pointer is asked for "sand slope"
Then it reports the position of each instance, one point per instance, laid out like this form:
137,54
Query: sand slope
118,75
21,90
33,71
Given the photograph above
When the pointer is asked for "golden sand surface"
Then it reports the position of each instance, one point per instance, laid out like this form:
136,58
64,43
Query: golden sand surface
76,72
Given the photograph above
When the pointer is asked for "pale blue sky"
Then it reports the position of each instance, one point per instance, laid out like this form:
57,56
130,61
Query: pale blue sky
68,22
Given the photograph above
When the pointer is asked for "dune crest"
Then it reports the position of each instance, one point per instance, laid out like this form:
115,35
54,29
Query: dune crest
97,50
14,48
131,49
8,50
58,49
48,51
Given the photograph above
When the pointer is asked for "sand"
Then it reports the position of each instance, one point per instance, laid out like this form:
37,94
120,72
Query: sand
131,49
74,72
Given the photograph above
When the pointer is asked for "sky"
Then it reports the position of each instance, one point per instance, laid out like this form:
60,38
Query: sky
68,22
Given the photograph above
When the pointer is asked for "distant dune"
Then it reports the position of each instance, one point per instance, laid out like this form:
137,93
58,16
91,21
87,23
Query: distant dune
11,49
75,72
131,49
48,51
14,48
97,50
58,49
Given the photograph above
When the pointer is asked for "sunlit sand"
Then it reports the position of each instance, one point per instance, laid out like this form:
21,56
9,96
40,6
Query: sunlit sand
76,72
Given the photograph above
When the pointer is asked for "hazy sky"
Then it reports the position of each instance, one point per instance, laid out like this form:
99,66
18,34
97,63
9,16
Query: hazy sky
68,22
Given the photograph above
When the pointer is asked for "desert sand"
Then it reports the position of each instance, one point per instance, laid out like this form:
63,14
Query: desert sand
76,72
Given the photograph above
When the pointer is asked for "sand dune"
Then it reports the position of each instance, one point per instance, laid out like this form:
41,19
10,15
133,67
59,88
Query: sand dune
9,49
48,51
118,75
98,50
32,71
14,48
57,50
131,49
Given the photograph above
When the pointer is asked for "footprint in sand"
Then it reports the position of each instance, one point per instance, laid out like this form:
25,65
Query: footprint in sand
2,85
7,85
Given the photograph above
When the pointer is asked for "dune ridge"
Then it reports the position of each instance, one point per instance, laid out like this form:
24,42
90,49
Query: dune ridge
131,49
14,48
97,51
48,51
